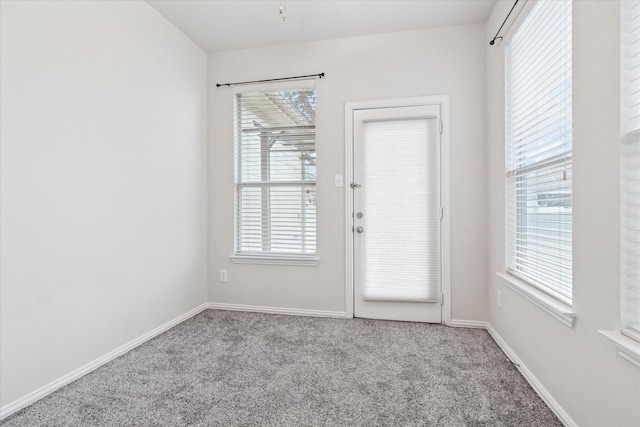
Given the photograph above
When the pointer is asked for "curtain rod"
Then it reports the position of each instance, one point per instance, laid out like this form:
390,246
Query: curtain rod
320,75
492,42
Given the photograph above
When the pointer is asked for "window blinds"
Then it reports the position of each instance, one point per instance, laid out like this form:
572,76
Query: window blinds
401,206
539,175
275,172
630,169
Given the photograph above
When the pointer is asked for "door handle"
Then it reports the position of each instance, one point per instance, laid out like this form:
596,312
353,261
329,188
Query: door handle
359,229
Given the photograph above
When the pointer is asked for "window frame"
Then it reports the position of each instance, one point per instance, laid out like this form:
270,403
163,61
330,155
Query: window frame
545,297
629,168
267,257
627,343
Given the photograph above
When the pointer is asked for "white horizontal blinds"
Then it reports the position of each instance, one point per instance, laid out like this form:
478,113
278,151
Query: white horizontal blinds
539,150
276,172
400,205
630,165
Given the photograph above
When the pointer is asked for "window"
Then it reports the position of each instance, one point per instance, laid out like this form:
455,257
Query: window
275,172
539,146
630,173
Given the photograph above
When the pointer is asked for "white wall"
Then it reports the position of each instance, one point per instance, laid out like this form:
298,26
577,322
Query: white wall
103,194
437,61
579,367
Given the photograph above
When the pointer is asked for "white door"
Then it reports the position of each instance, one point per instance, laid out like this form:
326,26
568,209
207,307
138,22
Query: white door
397,213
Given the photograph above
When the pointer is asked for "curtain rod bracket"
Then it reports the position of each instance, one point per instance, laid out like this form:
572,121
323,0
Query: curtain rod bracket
496,37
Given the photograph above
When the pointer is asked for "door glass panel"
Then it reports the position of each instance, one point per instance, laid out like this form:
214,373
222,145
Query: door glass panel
400,210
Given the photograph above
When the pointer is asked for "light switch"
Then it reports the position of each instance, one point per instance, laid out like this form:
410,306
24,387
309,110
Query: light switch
339,181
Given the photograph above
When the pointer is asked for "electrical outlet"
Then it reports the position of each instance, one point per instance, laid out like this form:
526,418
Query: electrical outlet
223,275
499,299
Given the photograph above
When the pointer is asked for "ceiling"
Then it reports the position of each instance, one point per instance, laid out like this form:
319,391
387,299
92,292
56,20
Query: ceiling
217,25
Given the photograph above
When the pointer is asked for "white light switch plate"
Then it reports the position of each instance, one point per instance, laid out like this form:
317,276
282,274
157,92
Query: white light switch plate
339,181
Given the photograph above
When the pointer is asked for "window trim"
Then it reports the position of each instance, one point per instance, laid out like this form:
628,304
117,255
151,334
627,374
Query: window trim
628,348
625,340
300,260
630,140
559,310
559,306
267,258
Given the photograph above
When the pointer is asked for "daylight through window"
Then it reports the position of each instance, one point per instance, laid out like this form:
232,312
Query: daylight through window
539,172
630,165
275,172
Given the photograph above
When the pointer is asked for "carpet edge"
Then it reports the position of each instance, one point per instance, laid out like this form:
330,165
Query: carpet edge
47,389
537,386
276,310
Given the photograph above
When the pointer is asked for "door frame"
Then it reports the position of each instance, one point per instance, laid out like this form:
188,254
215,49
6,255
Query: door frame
445,247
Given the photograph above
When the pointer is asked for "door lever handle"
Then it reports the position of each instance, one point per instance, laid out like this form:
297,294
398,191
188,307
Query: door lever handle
354,185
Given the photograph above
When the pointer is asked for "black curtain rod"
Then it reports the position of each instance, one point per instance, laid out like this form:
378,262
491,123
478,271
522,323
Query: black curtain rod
321,75
492,42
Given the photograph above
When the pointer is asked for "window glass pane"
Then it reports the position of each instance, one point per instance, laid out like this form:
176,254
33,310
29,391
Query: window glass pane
539,150
276,172
630,168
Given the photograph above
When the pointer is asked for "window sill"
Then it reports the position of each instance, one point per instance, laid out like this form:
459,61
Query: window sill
305,261
559,310
628,348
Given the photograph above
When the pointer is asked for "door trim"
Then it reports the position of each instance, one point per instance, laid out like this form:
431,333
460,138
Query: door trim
443,101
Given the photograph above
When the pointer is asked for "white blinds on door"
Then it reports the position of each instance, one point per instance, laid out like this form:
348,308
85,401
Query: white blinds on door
401,210
539,151
630,164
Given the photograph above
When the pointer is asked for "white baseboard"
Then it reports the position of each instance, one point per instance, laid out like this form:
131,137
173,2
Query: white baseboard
533,381
528,375
457,323
38,394
276,310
